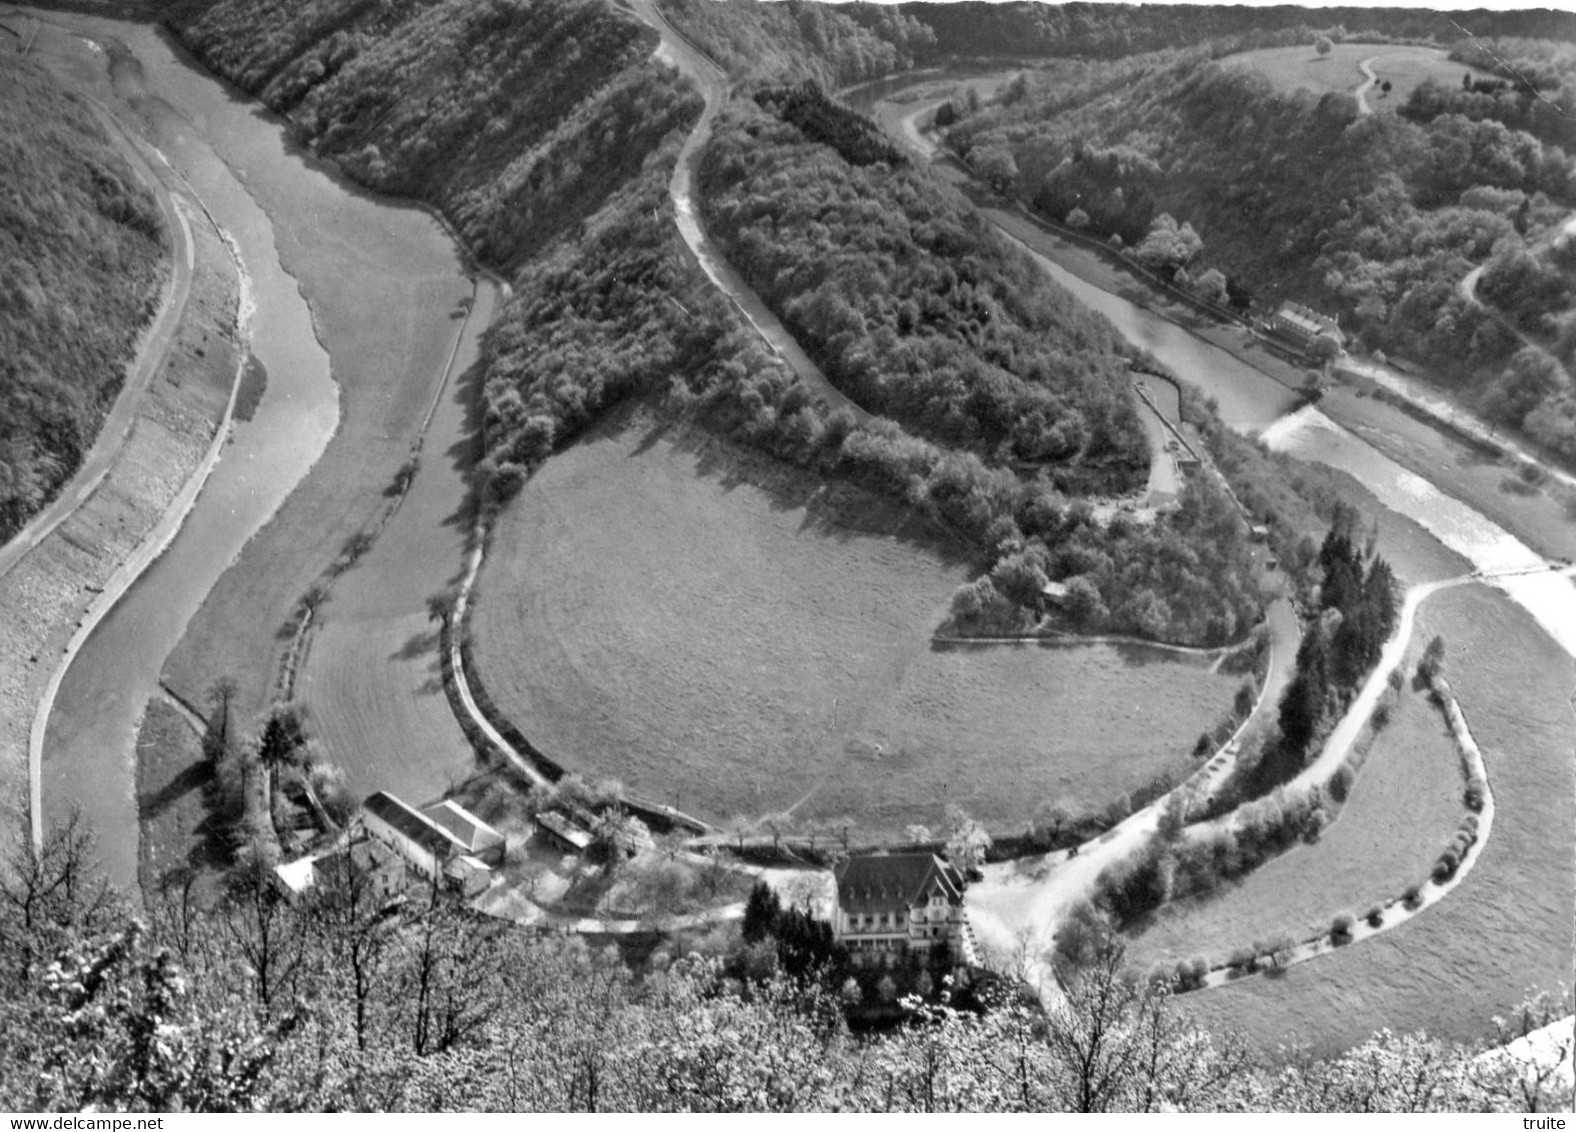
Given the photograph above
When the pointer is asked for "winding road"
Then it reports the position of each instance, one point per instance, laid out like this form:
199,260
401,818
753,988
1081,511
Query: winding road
715,88
1018,906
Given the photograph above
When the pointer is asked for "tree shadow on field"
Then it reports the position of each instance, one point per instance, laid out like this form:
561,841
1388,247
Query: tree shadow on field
832,507
424,643
193,777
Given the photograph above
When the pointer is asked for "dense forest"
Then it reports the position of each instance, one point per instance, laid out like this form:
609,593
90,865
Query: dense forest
81,242
1207,173
344,1001
917,311
833,45
517,120
855,42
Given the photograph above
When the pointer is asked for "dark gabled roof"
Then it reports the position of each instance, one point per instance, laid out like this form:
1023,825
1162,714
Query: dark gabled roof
410,824
894,881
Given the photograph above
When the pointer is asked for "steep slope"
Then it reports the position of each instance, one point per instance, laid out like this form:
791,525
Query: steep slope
80,246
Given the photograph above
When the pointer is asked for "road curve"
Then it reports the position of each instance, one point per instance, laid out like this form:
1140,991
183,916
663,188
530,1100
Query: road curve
714,88
155,344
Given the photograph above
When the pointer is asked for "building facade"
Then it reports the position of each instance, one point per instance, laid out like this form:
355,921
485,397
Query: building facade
427,847
1304,325
893,906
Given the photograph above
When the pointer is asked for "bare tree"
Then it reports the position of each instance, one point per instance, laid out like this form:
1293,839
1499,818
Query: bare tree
54,887
267,933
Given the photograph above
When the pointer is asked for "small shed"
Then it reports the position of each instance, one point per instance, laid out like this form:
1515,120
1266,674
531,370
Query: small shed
566,834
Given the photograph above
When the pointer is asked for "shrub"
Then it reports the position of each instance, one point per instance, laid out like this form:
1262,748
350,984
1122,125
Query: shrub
1198,970
1445,867
1413,896
1341,783
1243,960
1375,916
1190,973
1476,791
1341,927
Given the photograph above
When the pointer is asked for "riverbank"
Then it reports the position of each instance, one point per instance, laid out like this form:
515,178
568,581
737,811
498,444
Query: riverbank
1430,434
59,581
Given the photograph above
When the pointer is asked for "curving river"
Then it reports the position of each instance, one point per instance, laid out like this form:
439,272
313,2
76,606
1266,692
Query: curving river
1252,402
224,146
104,691
301,234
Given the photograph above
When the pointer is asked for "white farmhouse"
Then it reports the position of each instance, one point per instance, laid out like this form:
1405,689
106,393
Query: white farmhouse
894,905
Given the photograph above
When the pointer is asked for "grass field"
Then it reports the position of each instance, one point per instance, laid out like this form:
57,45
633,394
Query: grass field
664,608
1404,66
1507,929
384,285
1405,805
372,678
171,777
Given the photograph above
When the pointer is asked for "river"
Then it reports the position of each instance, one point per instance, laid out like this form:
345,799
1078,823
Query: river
1252,402
274,202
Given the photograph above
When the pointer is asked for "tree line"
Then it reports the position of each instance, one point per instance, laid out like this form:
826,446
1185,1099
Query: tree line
348,1000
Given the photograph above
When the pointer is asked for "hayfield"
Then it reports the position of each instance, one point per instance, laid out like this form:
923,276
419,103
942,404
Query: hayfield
1405,804
1507,928
1404,66
702,623
172,778
372,678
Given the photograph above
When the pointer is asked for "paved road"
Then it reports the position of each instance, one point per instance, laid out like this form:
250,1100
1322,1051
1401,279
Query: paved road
155,344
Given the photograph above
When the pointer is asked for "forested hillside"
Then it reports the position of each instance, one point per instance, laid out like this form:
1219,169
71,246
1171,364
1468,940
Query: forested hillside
1376,218
342,1002
916,309
854,42
1032,30
518,120
920,313
796,39
80,247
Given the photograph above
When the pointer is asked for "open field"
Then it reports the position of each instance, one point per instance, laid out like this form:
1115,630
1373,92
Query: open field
172,775
1404,66
1404,806
1507,929
698,622
384,284
372,677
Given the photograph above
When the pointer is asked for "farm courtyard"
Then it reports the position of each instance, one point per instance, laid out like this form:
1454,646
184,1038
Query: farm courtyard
705,625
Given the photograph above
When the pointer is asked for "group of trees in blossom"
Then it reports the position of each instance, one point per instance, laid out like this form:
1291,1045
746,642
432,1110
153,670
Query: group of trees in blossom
915,309
82,243
343,1001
